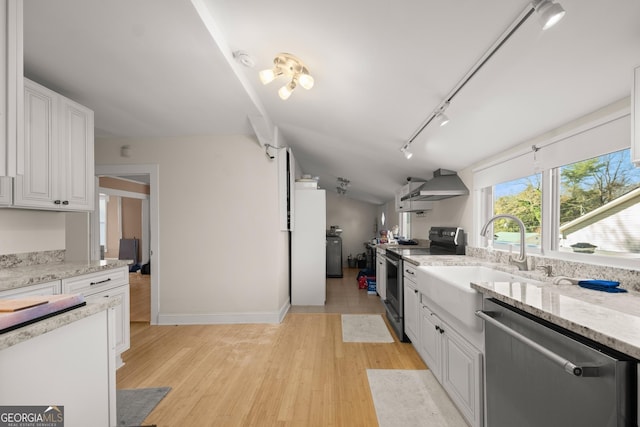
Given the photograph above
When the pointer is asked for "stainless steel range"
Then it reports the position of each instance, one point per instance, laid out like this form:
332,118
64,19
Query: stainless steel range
442,241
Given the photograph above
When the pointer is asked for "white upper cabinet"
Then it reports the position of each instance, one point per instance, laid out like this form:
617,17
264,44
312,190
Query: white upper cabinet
635,117
56,153
10,92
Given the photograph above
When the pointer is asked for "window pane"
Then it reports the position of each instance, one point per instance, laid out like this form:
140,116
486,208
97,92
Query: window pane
521,198
600,206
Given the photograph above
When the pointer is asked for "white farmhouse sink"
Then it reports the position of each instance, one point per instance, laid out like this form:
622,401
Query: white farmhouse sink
450,288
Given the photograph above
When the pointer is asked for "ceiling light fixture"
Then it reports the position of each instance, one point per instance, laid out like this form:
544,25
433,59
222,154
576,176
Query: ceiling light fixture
285,64
549,13
441,117
405,150
343,184
244,58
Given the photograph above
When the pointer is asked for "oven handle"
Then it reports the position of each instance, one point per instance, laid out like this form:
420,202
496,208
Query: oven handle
568,366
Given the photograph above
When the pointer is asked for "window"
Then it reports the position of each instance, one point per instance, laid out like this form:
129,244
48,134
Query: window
521,198
599,201
577,193
103,220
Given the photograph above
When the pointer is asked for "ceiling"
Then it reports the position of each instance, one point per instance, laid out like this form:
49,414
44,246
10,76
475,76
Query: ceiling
155,68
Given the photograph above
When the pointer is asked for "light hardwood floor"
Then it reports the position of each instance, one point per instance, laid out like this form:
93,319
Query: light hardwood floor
140,297
297,373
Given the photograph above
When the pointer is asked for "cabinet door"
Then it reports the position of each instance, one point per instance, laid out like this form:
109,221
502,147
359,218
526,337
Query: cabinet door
11,75
381,276
635,117
461,375
48,288
37,152
430,341
411,316
122,334
76,187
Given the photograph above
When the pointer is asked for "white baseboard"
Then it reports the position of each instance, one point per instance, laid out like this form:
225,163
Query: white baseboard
224,318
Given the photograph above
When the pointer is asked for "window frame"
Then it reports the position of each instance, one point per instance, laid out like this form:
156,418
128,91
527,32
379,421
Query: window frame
483,200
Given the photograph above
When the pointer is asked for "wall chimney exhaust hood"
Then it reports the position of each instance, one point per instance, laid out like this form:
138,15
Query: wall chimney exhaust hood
444,184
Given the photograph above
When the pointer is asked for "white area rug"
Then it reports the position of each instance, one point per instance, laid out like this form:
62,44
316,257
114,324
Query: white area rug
365,328
409,398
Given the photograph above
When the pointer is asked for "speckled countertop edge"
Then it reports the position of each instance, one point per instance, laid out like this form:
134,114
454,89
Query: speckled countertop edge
17,277
610,319
41,327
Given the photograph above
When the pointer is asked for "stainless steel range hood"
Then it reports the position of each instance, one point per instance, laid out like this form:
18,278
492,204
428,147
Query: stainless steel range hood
444,184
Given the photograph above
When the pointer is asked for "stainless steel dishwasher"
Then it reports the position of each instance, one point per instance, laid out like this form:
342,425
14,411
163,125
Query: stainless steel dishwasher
538,374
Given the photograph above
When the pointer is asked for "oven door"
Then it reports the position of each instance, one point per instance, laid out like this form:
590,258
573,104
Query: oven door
394,303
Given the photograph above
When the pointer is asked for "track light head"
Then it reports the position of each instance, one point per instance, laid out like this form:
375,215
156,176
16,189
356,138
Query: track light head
405,150
442,118
549,13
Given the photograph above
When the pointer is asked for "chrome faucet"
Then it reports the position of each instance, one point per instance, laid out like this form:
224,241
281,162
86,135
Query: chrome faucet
521,261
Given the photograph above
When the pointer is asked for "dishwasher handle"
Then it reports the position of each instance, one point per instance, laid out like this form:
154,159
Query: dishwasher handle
568,366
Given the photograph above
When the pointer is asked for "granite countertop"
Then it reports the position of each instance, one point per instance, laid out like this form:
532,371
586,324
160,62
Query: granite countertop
17,277
41,327
612,319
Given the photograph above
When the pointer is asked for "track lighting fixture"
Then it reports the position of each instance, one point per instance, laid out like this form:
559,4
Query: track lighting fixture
267,152
285,64
405,150
549,13
441,117
343,184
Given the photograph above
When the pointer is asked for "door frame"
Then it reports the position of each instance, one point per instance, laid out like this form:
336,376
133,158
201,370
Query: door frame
154,222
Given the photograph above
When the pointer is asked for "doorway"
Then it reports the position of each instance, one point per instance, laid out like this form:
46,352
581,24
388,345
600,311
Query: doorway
149,174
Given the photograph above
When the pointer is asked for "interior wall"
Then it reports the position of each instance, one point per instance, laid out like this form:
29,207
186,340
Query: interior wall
131,210
392,217
452,212
114,230
24,231
221,249
357,220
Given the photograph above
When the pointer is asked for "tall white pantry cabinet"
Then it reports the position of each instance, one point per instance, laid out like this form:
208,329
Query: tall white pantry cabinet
308,248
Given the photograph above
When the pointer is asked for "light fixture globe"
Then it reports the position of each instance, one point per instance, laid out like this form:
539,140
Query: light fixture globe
285,91
286,64
549,13
267,76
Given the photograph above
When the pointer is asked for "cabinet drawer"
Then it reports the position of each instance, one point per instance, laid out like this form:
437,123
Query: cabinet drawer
88,284
409,272
47,288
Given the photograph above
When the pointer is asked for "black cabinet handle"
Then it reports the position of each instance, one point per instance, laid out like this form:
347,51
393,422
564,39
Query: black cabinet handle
57,202
66,202
101,281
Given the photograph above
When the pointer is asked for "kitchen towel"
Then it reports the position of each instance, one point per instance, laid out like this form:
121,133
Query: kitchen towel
411,398
601,285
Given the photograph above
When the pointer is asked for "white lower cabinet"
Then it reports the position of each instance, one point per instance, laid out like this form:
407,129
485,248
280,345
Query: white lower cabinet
429,345
411,304
381,274
70,366
104,284
454,362
47,288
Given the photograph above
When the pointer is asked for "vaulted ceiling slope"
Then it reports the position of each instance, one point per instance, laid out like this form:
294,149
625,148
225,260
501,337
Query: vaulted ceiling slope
165,68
